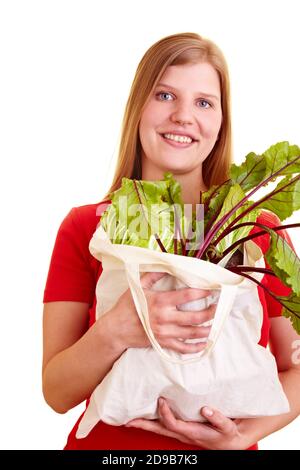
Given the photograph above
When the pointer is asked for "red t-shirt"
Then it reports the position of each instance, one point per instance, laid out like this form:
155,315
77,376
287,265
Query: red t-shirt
73,275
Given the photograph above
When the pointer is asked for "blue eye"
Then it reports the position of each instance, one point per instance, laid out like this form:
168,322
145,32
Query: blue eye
163,96
206,104
163,93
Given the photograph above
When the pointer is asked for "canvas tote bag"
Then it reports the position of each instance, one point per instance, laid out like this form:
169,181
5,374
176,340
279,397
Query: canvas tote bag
233,373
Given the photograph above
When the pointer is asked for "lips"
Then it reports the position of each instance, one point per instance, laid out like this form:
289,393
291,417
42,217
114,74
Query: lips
175,144
180,134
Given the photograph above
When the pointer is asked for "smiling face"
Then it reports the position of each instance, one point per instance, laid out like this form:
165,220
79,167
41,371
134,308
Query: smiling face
185,105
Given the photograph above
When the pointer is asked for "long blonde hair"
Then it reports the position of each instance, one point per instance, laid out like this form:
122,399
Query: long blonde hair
177,49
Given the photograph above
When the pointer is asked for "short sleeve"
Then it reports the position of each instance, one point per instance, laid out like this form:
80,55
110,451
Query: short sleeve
274,284
70,276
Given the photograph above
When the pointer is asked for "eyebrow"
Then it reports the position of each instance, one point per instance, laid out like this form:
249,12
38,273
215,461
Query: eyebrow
207,95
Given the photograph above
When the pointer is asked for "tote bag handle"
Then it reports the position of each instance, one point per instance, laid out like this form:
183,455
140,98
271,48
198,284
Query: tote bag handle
226,299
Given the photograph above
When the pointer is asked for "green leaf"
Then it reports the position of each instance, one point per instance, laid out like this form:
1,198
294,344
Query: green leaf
276,157
291,310
256,168
250,173
174,189
235,195
213,200
285,202
284,261
279,155
142,209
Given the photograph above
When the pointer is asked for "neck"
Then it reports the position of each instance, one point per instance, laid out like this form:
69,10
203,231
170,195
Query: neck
190,188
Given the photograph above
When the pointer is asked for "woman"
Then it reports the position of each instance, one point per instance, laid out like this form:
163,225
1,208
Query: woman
177,119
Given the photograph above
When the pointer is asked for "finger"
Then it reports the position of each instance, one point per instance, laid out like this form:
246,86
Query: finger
149,279
167,416
182,296
184,332
195,432
184,348
185,318
218,420
147,425
157,427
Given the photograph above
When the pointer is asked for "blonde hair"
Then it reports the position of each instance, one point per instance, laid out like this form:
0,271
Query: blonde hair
177,49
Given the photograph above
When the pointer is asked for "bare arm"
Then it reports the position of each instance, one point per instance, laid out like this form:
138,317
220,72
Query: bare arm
71,365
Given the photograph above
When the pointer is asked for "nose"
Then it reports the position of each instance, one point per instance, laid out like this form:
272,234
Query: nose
182,114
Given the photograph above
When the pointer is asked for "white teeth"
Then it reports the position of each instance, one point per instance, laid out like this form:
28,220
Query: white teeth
179,138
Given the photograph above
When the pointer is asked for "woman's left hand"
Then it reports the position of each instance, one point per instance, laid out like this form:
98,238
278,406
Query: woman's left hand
219,432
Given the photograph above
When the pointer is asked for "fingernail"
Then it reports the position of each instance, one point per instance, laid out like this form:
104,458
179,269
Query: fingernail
161,401
208,411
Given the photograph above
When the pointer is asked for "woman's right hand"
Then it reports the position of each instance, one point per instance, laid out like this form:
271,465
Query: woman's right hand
169,325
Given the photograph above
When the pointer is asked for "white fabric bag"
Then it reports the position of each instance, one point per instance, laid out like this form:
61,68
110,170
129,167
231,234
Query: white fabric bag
233,373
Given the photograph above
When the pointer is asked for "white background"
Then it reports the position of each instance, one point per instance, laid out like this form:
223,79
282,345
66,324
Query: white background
66,69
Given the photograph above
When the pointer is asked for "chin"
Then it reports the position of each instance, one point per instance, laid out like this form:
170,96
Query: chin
179,165
178,170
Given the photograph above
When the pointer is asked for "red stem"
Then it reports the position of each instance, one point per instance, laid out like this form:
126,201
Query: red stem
271,294
224,219
254,235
